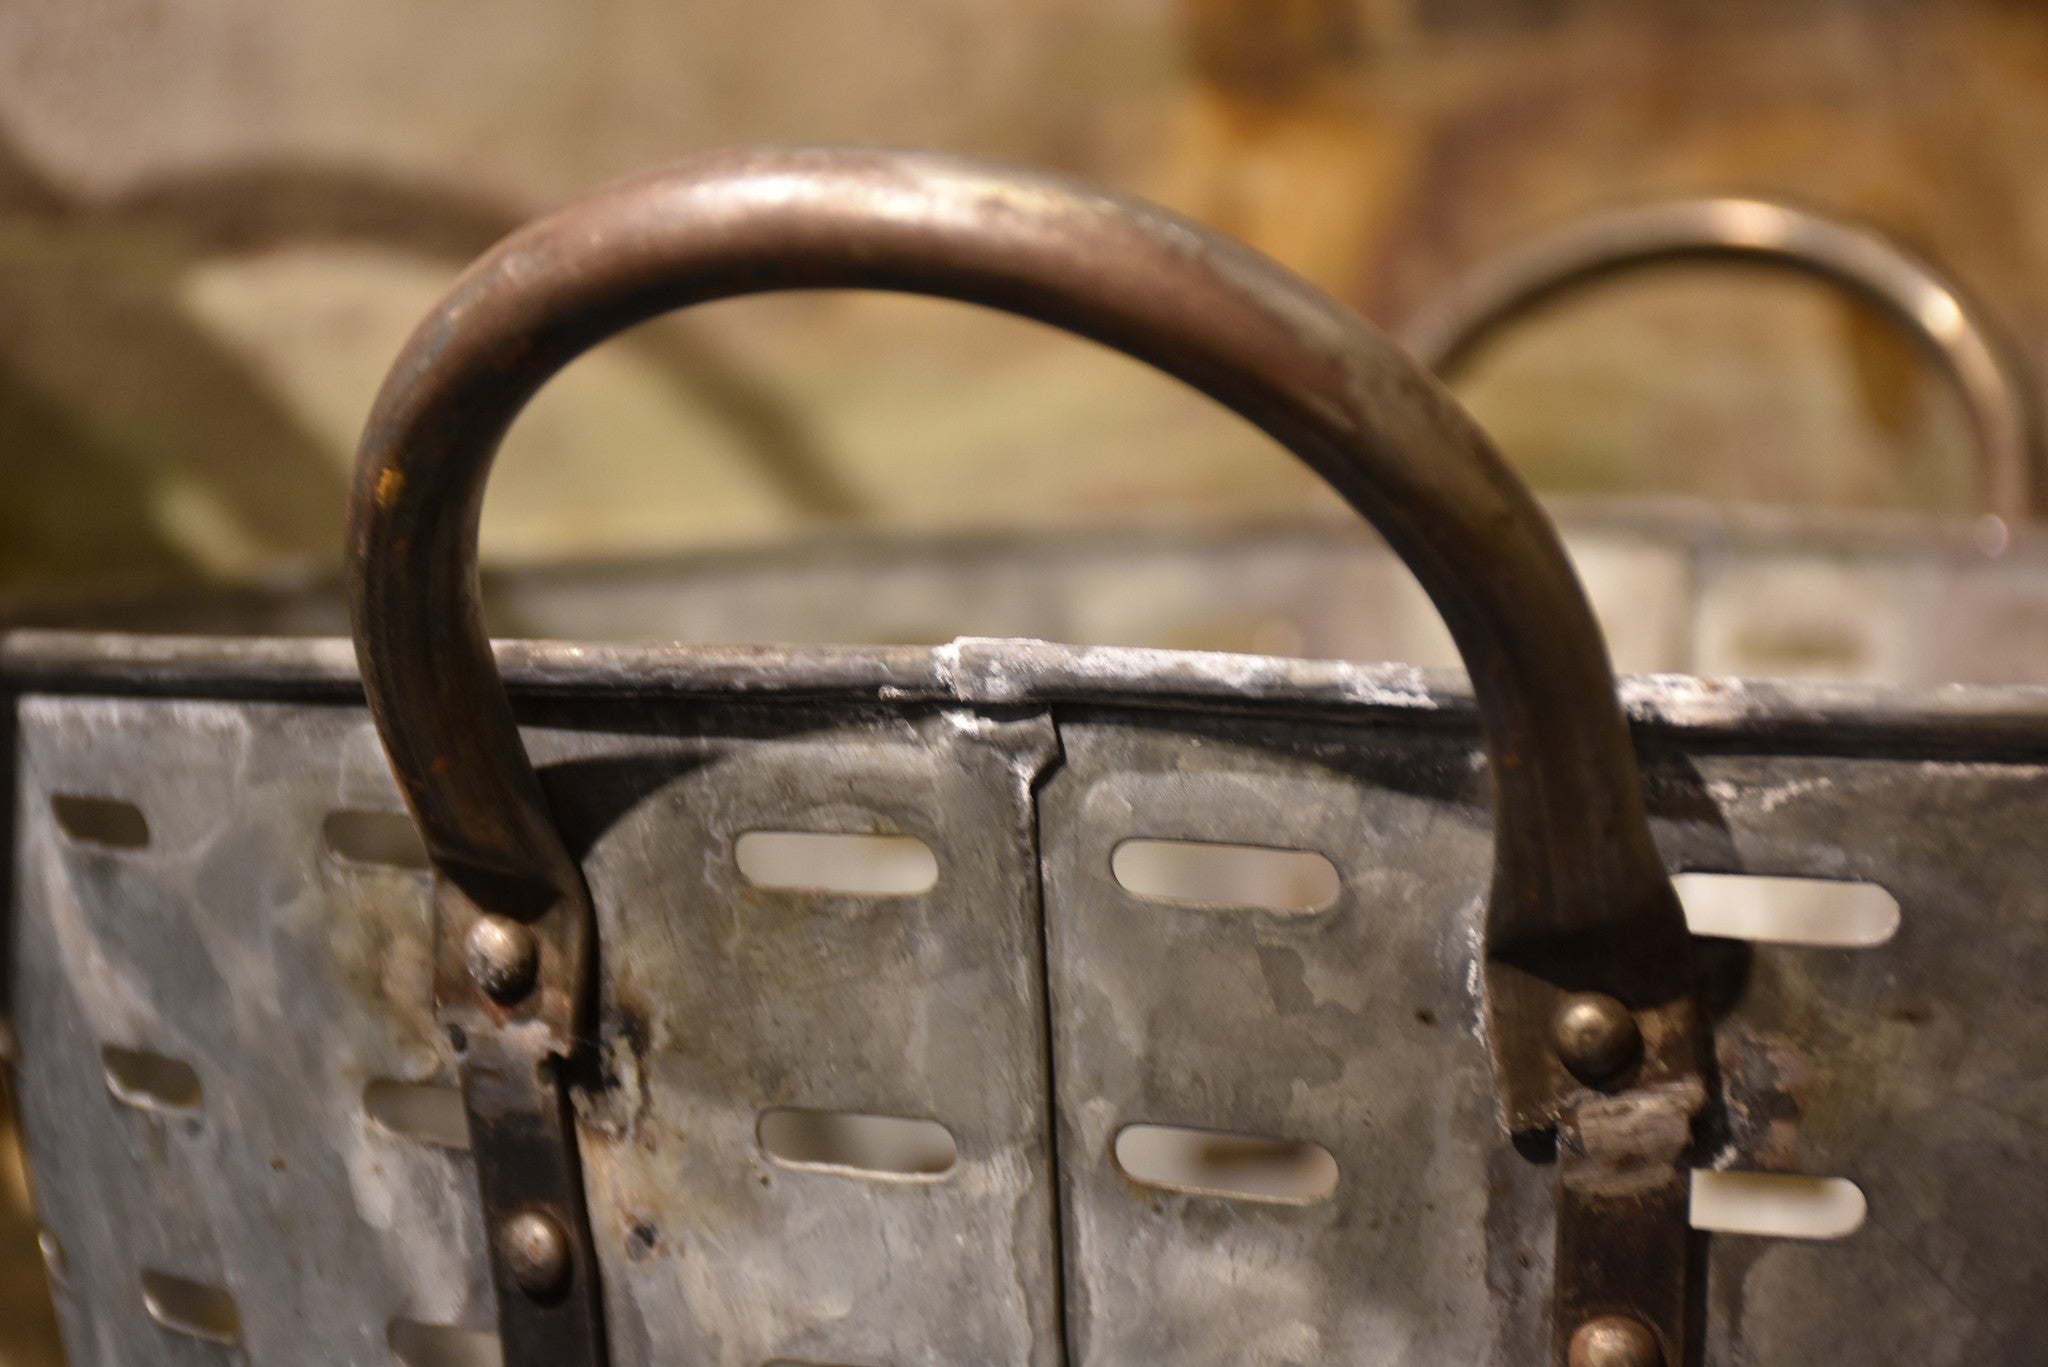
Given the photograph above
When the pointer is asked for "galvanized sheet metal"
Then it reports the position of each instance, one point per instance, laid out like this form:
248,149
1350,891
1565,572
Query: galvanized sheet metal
289,979
723,1000
1917,1068
1355,1027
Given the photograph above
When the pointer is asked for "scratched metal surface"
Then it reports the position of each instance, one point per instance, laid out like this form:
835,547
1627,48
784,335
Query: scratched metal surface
1917,1068
723,1000
1354,1027
235,943
287,978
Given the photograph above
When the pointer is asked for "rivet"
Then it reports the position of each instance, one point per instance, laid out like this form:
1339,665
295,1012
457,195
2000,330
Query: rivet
1595,1035
1614,1341
503,958
534,1253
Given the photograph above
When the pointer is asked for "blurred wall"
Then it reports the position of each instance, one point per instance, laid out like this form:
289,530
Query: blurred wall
218,222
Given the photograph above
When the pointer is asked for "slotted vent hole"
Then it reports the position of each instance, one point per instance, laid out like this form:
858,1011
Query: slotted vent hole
834,862
150,1081
380,839
423,1111
1212,1163
1777,1205
1788,911
848,1141
1202,873
188,1307
443,1345
103,821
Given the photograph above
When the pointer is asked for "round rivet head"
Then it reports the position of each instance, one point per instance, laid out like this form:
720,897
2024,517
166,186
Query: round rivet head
1614,1341
534,1252
503,958
1596,1035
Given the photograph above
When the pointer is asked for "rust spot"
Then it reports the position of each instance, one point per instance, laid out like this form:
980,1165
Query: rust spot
390,484
1765,1081
383,946
1631,1143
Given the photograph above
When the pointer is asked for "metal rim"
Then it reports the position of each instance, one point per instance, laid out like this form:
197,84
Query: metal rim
1952,327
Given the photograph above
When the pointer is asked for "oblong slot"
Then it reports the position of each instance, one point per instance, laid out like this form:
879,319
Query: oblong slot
1777,1205
423,1111
832,861
1245,1167
1788,911
443,1345
851,1142
151,1081
361,836
1204,873
188,1307
106,821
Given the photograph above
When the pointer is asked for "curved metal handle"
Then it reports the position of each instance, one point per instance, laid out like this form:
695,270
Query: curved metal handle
1453,327
1580,900
1574,859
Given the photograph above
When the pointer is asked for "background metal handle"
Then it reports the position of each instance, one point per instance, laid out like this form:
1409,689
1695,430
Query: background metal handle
1456,324
1574,862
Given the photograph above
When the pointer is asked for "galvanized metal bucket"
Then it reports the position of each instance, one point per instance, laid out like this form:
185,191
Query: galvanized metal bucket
1003,1001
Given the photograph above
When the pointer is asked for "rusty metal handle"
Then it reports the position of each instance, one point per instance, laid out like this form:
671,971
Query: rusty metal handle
1453,327
1574,858
1580,899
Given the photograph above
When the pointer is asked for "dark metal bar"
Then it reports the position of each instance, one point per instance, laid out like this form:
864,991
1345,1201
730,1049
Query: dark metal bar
1624,1238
